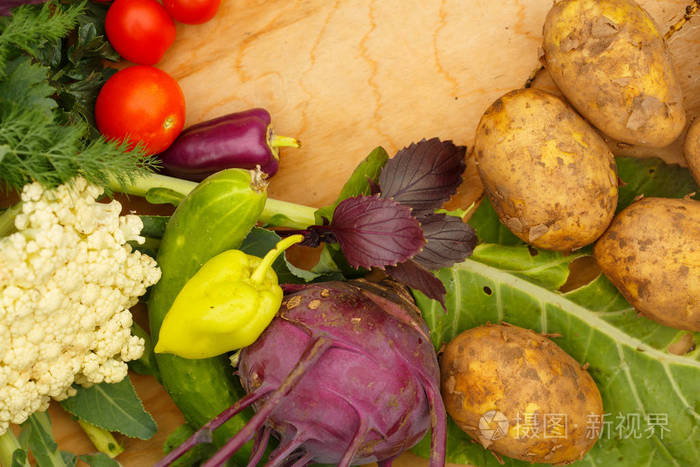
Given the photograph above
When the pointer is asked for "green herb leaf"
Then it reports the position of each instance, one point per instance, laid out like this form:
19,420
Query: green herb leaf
260,241
99,460
626,353
26,86
114,407
359,183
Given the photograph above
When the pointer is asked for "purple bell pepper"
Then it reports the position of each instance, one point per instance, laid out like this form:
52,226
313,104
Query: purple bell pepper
239,140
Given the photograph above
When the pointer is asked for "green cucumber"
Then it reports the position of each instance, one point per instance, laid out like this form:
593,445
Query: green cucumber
216,216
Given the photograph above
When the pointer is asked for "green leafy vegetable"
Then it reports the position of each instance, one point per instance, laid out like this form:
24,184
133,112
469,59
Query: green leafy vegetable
114,407
652,177
42,444
359,183
488,228
260,241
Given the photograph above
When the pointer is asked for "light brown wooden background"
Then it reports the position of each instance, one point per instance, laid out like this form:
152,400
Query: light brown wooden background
345,76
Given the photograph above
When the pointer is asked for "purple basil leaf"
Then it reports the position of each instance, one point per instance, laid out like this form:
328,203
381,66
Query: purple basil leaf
424,175
375,232
449,241
417,277
7,5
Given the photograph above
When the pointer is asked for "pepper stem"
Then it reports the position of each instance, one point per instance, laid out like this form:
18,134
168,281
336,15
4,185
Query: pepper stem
277,141
272,255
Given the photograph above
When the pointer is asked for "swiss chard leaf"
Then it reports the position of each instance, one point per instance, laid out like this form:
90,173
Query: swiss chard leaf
114,407
423,175
448,241
375,232
359,183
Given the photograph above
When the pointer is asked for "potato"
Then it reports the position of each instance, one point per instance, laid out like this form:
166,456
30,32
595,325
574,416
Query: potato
671,154
612,64
520,395
691,148
651,252
549,176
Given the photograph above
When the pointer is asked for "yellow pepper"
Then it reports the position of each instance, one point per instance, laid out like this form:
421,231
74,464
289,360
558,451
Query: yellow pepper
225,306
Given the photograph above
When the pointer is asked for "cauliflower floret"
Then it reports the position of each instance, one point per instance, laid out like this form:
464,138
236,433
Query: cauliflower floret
68,281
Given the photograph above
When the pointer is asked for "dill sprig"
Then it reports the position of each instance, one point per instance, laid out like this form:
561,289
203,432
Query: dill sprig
31,27
34,149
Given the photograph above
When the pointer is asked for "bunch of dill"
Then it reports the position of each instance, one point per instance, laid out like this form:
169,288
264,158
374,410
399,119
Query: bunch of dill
52,59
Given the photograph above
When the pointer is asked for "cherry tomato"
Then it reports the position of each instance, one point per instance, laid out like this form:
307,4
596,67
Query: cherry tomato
139,30
192,11
141,104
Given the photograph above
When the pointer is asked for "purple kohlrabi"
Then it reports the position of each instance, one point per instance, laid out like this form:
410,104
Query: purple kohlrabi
345,374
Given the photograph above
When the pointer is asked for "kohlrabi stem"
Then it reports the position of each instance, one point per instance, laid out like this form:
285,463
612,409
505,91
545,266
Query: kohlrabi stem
271,256
7,219
276,212
102,439
278,141
8,445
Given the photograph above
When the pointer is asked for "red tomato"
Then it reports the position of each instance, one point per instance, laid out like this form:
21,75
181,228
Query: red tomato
141,104
139,30
192,11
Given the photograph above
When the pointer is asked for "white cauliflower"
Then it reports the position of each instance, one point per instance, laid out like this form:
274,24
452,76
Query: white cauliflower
67,281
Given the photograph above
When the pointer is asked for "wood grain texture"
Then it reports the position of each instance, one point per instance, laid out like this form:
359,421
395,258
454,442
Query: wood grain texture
345,76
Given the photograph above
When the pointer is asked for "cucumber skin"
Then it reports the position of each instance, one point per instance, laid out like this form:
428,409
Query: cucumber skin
216,216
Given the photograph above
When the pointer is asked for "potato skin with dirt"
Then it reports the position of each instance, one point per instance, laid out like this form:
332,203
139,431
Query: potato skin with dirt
612,64
527,378
651,252
692,149
548,174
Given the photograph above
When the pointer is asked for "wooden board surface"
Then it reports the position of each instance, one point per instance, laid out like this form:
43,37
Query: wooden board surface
347,76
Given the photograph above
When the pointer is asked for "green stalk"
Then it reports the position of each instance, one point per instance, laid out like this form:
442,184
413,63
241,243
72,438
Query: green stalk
272,255
102,439
8,446
276,212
